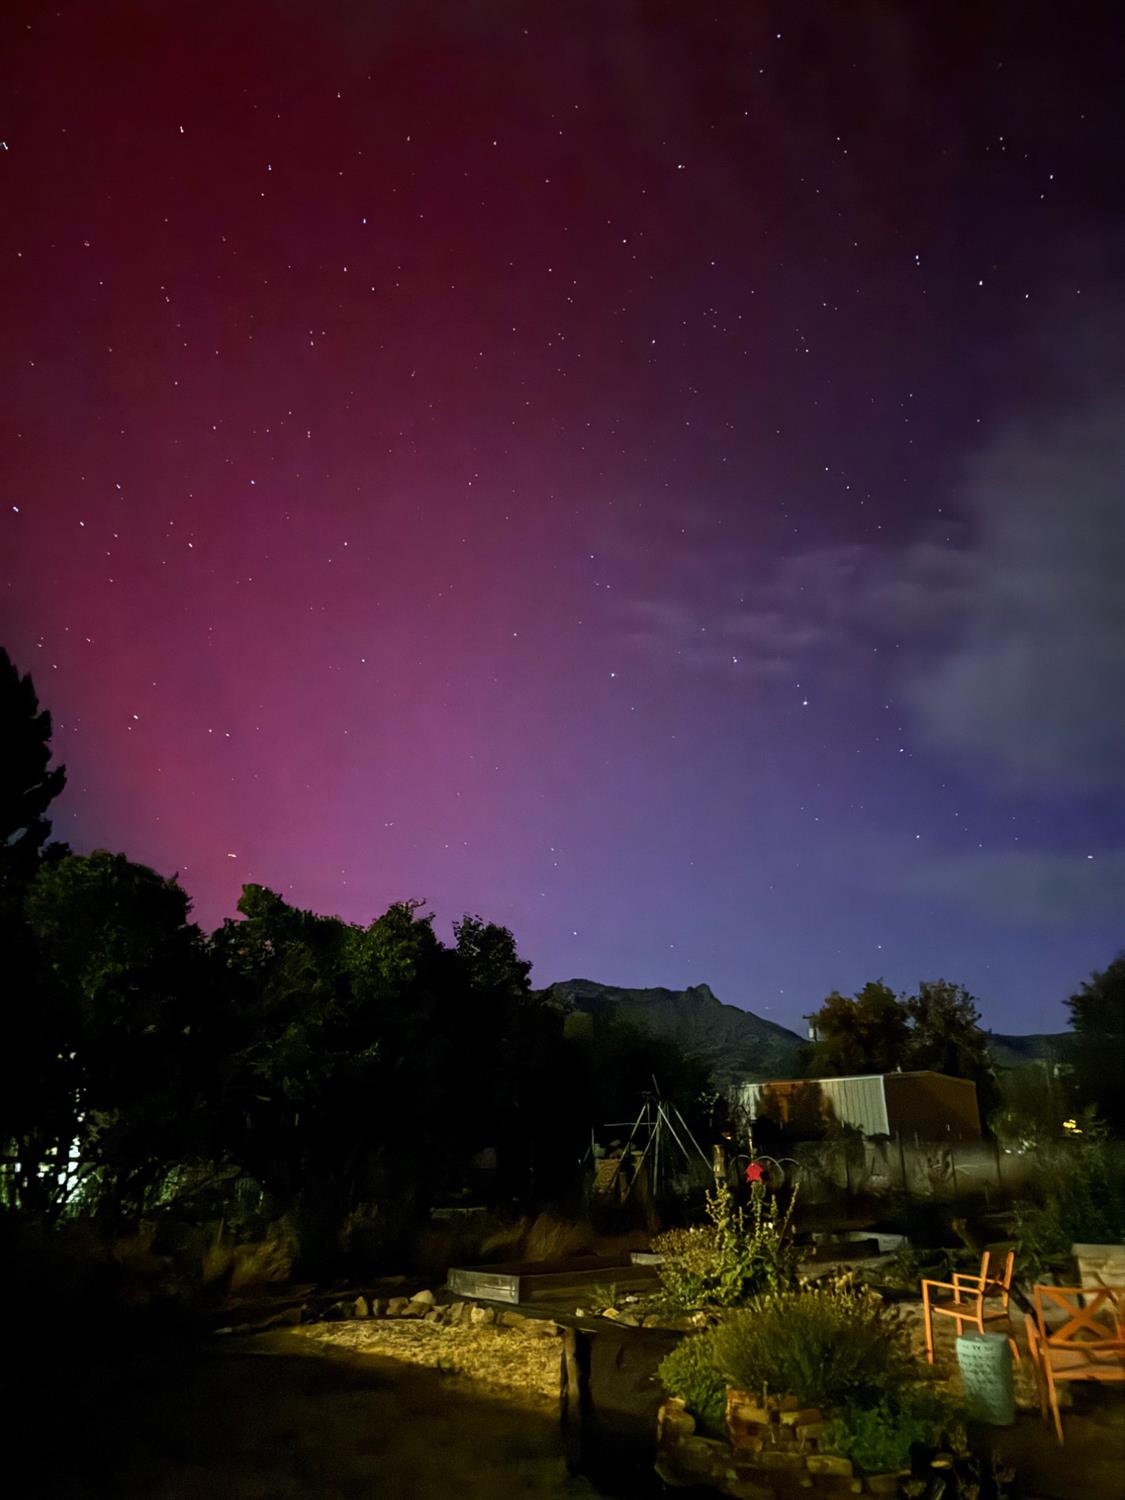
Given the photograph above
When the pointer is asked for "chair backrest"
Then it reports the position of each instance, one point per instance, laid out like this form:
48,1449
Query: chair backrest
1091,1314
1003,1260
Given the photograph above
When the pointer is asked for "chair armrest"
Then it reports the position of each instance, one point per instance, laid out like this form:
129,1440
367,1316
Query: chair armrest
943,1286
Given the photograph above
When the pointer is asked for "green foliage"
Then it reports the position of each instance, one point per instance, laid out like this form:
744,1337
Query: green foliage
690,1372
946,1036
1034,1100
737,1255
1097,1052
876,1032
1077,1196
827,1347
864,1034
878,1439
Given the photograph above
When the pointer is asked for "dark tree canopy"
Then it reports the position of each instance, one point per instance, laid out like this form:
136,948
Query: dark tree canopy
1097,1014
867,1033
27,784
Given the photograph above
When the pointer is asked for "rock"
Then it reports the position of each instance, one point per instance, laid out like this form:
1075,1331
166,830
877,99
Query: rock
743,1487
828,1463
361,1308
397,1307
433,1316
673,1421
378,1307
509,1319
479,1316
424,1299
541,1328
746,1412
455,1311
630,1319
885,1484
291,1316
802,1418
700,1457
781,1458
746,1442
682,1323
611,1312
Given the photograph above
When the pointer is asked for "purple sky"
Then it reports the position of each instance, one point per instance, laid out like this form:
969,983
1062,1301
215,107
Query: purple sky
651,477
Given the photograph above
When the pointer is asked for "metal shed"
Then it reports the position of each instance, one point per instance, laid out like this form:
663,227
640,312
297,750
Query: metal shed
926,1105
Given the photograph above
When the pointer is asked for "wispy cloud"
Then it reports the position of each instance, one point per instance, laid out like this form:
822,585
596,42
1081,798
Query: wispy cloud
1011,622
1027,887
1032,674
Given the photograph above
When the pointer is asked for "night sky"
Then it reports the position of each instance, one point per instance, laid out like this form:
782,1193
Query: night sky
648,473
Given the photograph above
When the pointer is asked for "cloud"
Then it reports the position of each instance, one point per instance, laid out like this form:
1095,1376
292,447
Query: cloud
1028,887
1011,621
770,627
1030,672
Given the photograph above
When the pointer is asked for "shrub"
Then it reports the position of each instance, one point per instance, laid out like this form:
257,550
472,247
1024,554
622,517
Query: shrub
879,1438
733,1257
1078,1195
689,1371
827,1347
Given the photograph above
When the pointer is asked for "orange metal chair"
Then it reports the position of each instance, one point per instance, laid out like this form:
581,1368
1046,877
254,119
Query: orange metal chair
1076,1333
976,1300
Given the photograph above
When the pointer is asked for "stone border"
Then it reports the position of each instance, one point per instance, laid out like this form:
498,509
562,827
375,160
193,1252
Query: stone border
772,1446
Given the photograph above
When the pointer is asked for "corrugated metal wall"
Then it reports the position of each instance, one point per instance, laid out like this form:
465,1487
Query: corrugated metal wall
858,1101
814,1103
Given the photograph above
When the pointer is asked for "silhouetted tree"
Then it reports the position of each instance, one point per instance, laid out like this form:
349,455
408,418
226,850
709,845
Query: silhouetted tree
1097,1048
867,1033
27,784
946,1036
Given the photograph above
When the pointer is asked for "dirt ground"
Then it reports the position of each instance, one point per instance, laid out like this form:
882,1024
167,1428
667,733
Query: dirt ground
285,1416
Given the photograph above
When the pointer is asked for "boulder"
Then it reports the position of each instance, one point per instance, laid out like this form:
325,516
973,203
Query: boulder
479,1316
424,1298
828,1463
397,1307
361,1308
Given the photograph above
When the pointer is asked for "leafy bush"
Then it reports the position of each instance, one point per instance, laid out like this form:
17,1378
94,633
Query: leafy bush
689,1371
879,1438
1078,1195
827,1347
733,1257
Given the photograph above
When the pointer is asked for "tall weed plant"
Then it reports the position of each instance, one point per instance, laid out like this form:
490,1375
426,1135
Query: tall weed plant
738,1254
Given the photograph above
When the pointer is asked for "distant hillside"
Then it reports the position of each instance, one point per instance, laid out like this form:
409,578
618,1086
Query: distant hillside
1014,1051
737,1044
733,1042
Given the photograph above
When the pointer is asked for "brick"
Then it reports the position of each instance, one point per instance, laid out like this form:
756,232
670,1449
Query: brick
808,1432
747,1408
781,1458
746,1442
828,1463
